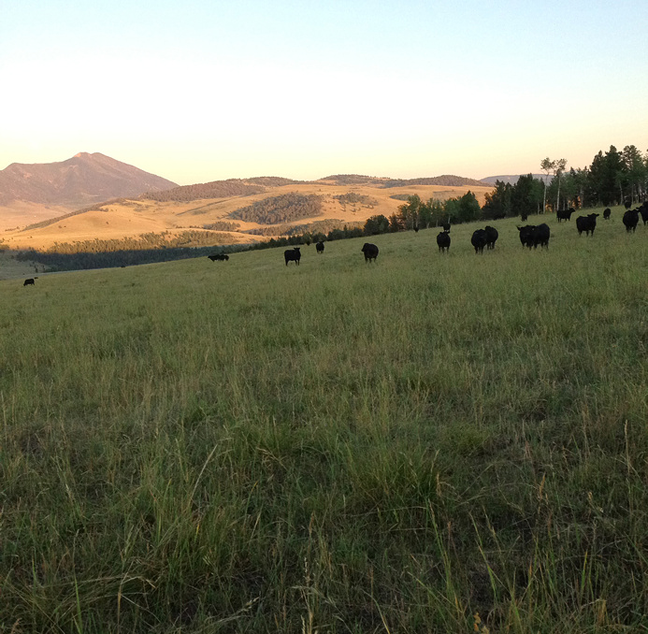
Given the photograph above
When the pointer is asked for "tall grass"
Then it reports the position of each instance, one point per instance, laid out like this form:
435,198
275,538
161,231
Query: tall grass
426,444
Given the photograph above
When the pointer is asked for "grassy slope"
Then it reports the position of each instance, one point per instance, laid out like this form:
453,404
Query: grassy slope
132,218
249,447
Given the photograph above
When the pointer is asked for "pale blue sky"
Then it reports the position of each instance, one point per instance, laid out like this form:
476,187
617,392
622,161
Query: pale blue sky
198,91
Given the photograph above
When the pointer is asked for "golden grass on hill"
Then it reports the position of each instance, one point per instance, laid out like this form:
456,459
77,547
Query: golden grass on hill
131,218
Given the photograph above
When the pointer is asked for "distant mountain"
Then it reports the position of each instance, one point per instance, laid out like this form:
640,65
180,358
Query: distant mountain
83,180
512,179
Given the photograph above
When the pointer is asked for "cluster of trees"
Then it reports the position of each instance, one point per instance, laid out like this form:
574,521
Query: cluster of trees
353,198
53,261
143,242
416,214
310,238
222,225
613,178
320,227
284,208
215,189
523,198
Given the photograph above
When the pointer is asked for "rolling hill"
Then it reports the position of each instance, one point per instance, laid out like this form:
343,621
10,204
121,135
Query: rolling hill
238,211
94,197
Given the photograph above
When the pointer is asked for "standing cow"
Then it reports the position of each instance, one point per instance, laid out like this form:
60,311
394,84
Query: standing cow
565,214
319,247
370,252
478,240
643,210
631,219
586,224
443,240
491,237
292,255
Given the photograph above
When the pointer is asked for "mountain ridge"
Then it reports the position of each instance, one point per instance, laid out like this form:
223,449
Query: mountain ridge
82,180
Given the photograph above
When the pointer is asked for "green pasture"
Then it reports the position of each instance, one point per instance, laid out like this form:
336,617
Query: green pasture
431,443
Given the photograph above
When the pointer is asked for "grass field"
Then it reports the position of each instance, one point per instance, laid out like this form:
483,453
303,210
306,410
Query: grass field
426,444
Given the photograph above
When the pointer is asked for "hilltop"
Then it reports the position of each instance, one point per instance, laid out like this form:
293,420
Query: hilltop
83,180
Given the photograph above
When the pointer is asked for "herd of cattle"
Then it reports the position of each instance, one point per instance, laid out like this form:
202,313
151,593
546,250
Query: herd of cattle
531,236
538,235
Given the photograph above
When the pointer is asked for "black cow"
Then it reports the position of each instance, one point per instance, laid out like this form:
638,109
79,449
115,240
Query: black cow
446,227
606,213
292,255
29,282
491,237
221,257
565,214
586,224
643,210
320,247
631,219
534,235
524,216
443,240
526,235
370,251
541,235
478,240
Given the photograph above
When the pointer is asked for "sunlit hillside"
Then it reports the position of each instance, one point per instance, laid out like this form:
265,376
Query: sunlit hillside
133,217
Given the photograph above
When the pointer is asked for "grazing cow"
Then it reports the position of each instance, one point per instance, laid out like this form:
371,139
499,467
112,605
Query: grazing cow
320,247
292,255
443,240
586,224
565,214
631,219
29,282
370,251
416,228
221,257
491,237
478,240
606,213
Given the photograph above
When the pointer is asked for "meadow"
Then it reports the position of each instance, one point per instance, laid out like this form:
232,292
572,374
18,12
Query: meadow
431,443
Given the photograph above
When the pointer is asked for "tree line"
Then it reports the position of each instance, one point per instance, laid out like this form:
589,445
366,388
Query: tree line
417,214
613,178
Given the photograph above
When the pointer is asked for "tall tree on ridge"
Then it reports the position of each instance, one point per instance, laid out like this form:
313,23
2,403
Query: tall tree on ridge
547,166
559,168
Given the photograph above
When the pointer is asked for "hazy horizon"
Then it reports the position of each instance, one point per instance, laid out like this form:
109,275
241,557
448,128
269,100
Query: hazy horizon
213,90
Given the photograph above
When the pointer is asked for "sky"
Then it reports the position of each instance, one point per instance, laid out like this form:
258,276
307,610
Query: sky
204,90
